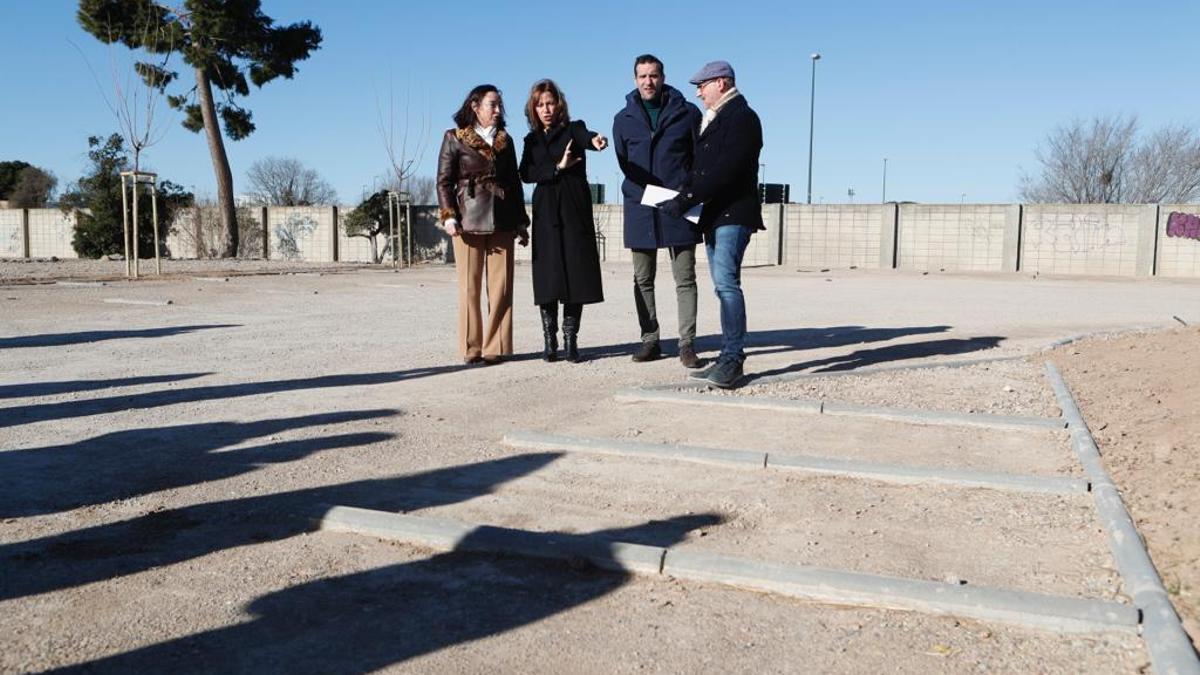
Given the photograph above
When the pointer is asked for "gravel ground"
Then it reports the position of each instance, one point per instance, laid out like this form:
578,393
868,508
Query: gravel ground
999,387
160,466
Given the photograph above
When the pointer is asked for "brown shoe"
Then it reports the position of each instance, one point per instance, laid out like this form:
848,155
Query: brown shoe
687,356
649,351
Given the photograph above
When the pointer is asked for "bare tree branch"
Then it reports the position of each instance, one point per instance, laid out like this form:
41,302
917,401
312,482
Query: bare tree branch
285,181
1103,162
401,161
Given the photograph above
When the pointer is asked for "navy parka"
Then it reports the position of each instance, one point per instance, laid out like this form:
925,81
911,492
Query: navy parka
660,157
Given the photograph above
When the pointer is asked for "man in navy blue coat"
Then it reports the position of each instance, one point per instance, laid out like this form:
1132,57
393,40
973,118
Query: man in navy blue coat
654,136
724,177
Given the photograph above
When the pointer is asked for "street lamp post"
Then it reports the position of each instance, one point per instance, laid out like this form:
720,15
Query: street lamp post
812,101
884,199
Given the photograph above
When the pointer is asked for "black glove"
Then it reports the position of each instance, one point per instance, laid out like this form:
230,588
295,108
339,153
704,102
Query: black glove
671,207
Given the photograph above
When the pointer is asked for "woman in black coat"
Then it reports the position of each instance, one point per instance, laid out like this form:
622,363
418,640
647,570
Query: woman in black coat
566,264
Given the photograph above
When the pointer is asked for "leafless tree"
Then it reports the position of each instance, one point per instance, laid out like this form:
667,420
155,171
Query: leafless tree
135,105
1165,169
420,188
1103,162
403,156
1082,163
285,181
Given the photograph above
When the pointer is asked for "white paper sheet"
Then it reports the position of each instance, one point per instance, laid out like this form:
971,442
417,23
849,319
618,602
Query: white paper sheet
656,194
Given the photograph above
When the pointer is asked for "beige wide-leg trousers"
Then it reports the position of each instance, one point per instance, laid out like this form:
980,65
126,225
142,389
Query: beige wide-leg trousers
479,257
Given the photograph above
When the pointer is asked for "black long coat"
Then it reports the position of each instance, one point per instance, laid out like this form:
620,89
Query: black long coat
566,264
724,172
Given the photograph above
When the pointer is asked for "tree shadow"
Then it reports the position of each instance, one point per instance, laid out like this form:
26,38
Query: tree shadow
869,357
174,535
366,621
126,464
83,337
40,412
73,386
780,340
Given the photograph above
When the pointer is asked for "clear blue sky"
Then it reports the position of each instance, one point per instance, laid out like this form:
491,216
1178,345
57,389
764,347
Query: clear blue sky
955,94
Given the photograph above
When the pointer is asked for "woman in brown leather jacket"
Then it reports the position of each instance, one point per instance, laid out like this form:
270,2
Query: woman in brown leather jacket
566,263
483,210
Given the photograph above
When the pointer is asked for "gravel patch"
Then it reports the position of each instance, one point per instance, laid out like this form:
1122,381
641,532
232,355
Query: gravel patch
1000,387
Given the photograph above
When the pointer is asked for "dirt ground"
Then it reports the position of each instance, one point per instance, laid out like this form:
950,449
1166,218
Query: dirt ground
161,465
1138,394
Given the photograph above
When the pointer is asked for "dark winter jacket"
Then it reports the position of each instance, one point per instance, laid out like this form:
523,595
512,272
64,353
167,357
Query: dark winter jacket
660,157
566,264
724,174
478,185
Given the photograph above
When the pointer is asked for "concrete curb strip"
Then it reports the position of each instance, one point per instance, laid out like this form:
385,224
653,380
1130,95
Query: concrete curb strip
448,535
152,303
1170,647
898,473
890,473
986,420
811,583
756,402
942,417
611,446
1051,612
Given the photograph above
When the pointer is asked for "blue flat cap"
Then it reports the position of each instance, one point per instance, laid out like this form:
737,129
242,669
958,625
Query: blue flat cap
712,70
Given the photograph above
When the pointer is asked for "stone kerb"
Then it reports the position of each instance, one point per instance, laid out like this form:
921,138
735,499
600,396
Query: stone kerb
1099,239
1178,253
957,237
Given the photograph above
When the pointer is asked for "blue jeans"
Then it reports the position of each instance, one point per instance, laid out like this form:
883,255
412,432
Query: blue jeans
726,245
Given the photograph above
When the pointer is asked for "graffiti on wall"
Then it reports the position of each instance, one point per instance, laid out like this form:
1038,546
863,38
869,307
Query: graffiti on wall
1184,225
290,233
1076,233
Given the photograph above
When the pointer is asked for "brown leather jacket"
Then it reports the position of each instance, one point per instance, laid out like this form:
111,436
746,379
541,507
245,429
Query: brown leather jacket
478,184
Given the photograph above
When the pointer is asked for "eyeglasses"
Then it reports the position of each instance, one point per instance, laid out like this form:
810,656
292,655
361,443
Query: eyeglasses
705,83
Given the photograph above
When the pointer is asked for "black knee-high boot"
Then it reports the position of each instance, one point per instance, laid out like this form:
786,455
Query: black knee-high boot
572,313
550,330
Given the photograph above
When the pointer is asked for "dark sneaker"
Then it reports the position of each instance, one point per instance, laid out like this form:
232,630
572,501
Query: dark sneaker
726,374
702,374
649,351
687,356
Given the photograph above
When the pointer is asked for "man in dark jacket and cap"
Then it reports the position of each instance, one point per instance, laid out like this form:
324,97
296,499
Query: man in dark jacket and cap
724,178
654,135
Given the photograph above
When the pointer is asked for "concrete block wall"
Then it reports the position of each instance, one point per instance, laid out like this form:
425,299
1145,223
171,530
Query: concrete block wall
958,237
12,233
1178,246
301,233
610,222
1094,239
838,235
355,249
50,233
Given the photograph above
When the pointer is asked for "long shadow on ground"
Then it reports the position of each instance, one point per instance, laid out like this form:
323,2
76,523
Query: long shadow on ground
863,358
40,412
369,620
87,336
74,386
170,536
782,340
126,464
